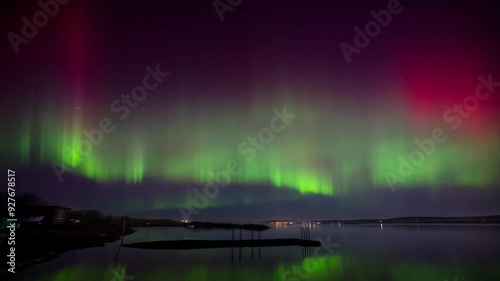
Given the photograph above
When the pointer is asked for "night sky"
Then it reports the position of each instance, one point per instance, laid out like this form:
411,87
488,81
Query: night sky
142,107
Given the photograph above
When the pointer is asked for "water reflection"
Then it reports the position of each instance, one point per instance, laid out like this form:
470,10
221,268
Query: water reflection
412,252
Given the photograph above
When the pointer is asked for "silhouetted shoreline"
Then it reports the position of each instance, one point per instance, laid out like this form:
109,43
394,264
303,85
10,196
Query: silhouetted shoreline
410,220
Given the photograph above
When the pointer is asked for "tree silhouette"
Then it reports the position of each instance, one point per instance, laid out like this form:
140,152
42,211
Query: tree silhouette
29,199
21,199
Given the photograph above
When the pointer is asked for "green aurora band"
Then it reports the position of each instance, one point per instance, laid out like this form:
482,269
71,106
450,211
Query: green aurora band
323,150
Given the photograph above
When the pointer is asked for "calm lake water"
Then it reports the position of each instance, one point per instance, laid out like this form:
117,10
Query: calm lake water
425,252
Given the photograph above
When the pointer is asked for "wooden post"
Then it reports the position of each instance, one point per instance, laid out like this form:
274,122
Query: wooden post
240,247
232,248
123,237
123,228
258,235
252,246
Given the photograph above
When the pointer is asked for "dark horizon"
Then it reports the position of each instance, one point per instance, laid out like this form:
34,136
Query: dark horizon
386,205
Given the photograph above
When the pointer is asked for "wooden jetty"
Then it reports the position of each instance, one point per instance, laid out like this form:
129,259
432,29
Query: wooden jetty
208,244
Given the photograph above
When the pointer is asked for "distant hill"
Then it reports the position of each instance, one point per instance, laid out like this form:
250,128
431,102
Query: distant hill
406,220
477,219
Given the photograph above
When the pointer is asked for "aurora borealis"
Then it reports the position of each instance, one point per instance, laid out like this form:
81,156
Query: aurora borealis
353,125
331,163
